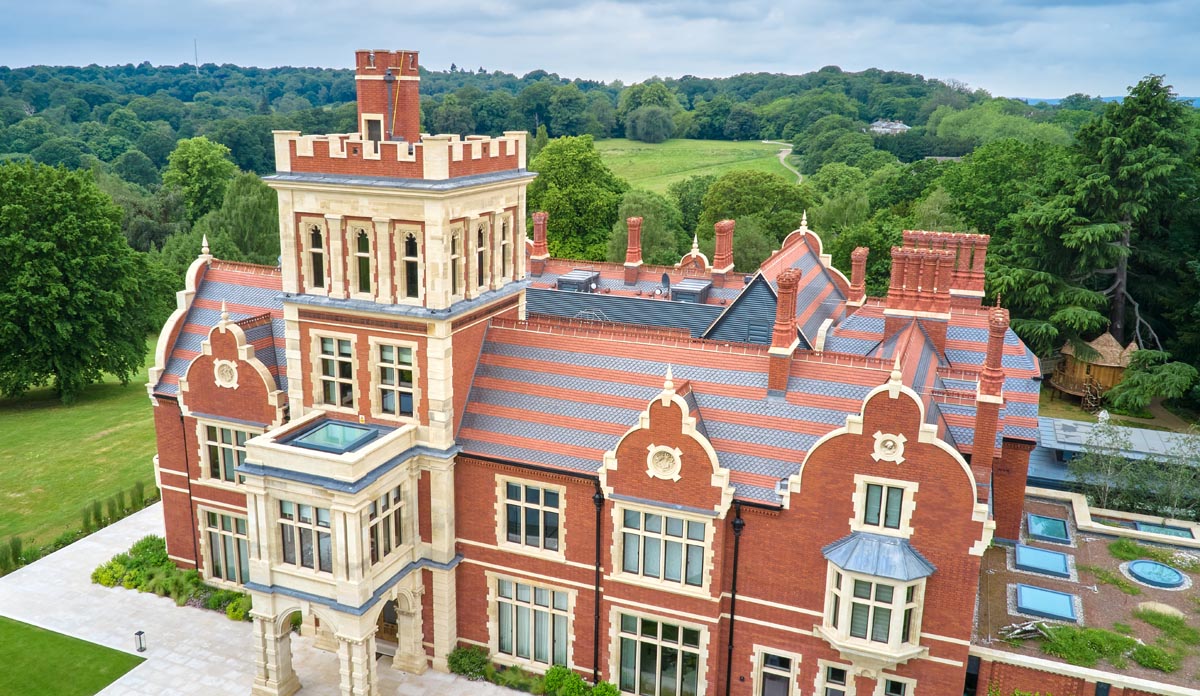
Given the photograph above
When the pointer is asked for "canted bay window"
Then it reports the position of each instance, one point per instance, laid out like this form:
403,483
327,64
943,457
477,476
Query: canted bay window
532,622
385,524
224,451
663,547
305,536
865,608
532,514
658,658
228,547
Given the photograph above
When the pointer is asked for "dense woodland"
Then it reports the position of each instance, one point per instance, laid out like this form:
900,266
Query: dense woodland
1092,207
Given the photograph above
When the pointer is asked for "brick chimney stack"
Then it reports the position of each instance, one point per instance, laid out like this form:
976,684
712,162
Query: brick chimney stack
389,105
537,259
723,256
633,250
858,277
783,337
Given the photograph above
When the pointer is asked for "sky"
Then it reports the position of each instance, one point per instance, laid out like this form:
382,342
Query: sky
1016,48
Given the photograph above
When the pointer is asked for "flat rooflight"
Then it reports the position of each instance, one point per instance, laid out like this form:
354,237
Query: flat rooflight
1038,601
334,436
1051,529
1164,529
1041,561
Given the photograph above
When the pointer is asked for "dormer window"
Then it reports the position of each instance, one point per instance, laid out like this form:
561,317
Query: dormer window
316,257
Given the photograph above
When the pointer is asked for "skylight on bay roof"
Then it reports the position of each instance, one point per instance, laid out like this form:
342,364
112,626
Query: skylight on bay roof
1164,529
1038,601
1045,528
1037,560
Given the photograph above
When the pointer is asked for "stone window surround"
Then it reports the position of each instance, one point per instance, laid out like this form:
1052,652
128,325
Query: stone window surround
502,541
614,636
481,227
860,502
202,441
374,363
756,658
400,233
386,519
353,228
315,337
205,551
881,683
819,683
306,223
493,620
617,554
297,568
895,647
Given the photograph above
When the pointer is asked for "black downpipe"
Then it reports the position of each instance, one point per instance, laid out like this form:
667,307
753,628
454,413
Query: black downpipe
187,471
738,525
598,500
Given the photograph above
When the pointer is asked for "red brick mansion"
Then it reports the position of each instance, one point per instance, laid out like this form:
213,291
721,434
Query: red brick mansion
421,431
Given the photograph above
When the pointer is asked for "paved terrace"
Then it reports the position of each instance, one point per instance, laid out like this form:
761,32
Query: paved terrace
189,651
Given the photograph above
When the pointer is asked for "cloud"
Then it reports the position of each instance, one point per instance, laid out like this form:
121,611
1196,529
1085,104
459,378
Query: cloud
1011,47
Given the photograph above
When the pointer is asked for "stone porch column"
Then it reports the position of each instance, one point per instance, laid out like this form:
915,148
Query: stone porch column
273,673
356,661
410,652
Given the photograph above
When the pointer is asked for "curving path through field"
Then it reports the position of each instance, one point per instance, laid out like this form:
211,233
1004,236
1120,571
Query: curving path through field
783,153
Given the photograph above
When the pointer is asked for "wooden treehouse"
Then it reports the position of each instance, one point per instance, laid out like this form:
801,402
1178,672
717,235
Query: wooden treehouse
1090,377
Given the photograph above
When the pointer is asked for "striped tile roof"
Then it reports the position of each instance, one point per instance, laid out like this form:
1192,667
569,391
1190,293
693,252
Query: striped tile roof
543,396
250,294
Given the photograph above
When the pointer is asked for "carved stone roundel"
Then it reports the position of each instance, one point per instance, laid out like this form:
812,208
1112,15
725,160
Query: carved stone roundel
663,462
225,373
889,447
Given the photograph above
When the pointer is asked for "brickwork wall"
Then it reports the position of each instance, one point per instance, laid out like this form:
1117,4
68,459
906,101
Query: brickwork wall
1008,678
247,402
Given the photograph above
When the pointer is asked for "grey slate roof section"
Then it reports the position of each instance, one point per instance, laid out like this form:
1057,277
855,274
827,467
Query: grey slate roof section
693,410
865,324
1025,385
746,491
539,431
777,468
521,454
750,318
695,318
855,346
878,555
822,387
455,183
780,409
550,379
742,378
555,407
960,384
1072,436
459,308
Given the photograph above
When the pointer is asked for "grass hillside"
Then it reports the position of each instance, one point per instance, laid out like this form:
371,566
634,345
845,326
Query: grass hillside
56,459
654,167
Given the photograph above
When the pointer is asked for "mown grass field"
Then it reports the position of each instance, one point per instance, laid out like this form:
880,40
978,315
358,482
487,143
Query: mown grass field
56,459
654,167
37,662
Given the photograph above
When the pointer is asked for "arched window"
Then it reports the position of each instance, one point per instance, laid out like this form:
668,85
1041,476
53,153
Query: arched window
412,278
316,254
362,257
480,255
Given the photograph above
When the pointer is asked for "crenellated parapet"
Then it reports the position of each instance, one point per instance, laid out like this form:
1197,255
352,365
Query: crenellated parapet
433,157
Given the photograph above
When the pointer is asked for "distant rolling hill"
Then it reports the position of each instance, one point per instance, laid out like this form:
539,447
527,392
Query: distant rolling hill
1194,101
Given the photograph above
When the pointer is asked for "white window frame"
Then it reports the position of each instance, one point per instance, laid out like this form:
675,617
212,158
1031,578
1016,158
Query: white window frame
907,505
376,365
308,251
842,600
910,685
297,526
385,516
495,609
319,376
638,578
357,229
202,426
210,554
503,503
820,684
618,633
759,654
409,263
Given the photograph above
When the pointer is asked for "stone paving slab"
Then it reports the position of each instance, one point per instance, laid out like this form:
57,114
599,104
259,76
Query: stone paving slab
189,650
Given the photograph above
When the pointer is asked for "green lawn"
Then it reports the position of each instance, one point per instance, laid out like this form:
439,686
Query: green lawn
37,662
56,459
654,167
